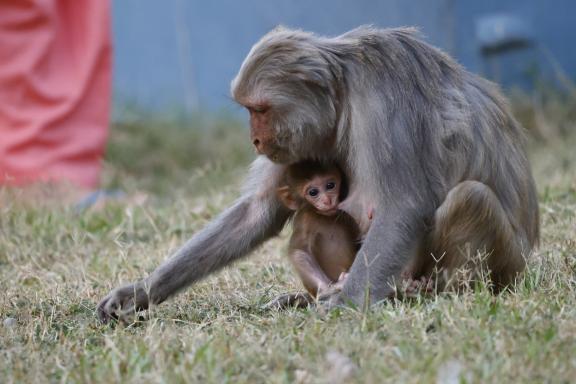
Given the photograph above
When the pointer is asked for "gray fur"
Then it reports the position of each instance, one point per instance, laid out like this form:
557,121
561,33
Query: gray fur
405,121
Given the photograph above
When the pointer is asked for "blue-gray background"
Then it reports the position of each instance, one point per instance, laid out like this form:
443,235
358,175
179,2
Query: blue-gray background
183,54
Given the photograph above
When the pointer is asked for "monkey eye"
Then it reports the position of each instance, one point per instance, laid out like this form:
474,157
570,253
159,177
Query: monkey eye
313,192
257,108
330,185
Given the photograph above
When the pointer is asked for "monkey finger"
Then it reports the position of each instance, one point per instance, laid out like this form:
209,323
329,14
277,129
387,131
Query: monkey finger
127,314
328,301
123,302
103,312
342,276
329,292
430,285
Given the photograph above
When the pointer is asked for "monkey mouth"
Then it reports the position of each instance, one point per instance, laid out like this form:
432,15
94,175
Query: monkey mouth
272,155
278,156
329,212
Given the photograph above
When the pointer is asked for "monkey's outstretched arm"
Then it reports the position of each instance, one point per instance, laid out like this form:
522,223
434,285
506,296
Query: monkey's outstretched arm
237,231
252,219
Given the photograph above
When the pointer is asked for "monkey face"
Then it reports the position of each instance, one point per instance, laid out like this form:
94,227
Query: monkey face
263,134
289,91
290,132
322,192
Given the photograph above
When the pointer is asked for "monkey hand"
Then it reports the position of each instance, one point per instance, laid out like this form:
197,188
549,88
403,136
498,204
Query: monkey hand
329,297
342,278
123,302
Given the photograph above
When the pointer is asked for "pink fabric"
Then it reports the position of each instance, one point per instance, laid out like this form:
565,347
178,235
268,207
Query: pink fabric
55,74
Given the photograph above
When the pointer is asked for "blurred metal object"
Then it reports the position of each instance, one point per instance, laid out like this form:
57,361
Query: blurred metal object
502,32
504,42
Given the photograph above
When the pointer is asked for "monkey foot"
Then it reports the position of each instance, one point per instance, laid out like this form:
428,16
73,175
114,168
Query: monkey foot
412,287
290,300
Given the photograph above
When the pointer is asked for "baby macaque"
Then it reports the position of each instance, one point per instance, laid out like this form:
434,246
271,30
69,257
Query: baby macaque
325,239
327,232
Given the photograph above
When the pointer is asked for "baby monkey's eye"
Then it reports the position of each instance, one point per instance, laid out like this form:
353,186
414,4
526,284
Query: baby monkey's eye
313,192
330,185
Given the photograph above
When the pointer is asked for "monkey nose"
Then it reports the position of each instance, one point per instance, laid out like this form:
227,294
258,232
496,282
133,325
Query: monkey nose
256,143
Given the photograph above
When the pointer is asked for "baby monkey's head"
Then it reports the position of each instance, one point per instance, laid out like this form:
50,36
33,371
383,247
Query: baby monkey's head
314,183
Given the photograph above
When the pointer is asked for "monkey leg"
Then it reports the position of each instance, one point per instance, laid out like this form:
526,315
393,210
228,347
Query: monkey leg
471,232
304,300
313,277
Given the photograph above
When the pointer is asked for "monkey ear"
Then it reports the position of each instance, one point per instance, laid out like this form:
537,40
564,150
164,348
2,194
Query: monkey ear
286,197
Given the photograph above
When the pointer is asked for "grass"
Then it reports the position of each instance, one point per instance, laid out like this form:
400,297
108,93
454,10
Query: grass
55,265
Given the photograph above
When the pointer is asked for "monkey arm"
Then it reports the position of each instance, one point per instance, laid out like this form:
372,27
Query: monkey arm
390,244
237,231
312,276
251,220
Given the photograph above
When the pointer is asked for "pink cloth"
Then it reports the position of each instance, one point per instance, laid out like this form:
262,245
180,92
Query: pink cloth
55,74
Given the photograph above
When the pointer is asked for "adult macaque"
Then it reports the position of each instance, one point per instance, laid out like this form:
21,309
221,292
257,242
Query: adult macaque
324,240
431,145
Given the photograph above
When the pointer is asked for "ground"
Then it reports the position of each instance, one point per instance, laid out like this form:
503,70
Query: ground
56,263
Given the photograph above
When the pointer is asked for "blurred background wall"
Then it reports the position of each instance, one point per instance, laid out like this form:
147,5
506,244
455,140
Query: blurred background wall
183,54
